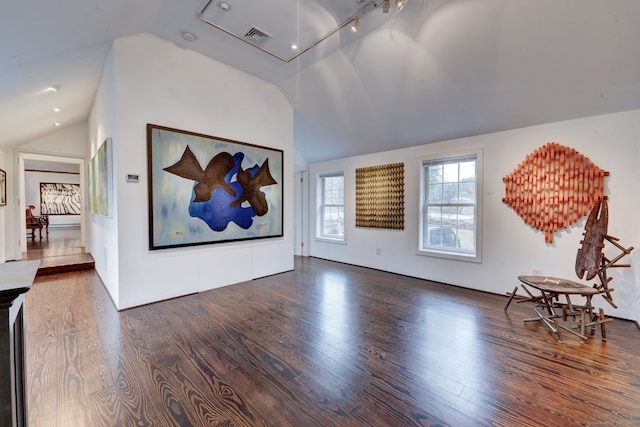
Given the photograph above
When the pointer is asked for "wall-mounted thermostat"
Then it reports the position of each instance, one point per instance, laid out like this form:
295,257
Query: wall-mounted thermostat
132,177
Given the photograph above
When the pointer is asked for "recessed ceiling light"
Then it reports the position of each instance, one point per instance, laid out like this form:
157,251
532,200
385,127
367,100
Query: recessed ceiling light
187,36
56,110
55,88
294,46
56,124
224,5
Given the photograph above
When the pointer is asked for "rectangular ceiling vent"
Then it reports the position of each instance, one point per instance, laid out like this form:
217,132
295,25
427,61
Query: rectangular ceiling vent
256,36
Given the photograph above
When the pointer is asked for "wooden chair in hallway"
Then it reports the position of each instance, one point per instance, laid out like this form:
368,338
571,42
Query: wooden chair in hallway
36,222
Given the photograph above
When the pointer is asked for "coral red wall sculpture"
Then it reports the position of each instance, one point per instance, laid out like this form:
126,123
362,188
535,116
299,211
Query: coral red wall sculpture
553,188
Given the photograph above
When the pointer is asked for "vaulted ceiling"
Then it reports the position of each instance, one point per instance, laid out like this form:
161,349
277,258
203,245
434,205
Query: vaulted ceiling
435,70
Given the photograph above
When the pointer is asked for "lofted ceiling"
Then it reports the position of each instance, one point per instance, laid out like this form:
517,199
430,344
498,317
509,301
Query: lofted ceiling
435,70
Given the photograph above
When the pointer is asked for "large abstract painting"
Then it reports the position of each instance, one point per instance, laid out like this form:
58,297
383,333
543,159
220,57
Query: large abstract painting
59,199
204,189
100,180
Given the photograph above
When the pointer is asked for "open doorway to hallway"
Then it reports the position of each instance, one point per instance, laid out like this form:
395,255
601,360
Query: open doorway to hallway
52,190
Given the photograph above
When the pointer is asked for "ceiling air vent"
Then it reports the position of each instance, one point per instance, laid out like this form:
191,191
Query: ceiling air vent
256,36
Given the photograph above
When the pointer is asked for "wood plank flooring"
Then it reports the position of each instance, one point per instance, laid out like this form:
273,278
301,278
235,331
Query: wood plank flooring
59,241
325,345
59,251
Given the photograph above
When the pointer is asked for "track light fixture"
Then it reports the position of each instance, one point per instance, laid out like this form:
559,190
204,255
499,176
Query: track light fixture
368,7
385,5
355,25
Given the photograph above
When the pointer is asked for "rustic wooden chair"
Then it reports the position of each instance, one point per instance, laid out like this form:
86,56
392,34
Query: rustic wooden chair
36,222
591,262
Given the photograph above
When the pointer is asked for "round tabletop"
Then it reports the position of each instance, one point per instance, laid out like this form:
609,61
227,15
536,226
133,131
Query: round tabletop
557,285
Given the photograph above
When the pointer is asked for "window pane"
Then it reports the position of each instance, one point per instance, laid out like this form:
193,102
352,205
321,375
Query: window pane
450,215
442,237
468,171
334,197
435,193
451,172
333,221
467,192
333,190
435,174
450,192
466,217
434,215
450,197
332,207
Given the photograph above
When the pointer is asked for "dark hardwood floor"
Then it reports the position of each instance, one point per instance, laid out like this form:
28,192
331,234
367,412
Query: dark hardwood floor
325,345
58,241
59,250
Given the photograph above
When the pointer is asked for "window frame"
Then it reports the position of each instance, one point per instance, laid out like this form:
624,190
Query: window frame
320,205
424,162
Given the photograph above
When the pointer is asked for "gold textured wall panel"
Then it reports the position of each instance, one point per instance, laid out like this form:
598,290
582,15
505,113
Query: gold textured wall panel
380,196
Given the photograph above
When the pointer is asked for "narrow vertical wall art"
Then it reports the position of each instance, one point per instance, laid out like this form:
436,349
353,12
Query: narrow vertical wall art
3,188
100,179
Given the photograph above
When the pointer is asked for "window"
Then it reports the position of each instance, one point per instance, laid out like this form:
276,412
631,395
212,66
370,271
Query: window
331,204
450,204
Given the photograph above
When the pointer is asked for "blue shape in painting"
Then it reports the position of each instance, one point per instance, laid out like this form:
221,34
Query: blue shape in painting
218,211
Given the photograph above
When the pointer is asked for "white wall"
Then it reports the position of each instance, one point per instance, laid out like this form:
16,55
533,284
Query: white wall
3,215
69,141
149,80
510,247
102,241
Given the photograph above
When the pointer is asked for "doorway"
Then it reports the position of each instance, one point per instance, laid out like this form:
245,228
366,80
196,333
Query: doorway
66,233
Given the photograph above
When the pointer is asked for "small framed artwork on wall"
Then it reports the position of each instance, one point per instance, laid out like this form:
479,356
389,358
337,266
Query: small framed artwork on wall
100,180
3,188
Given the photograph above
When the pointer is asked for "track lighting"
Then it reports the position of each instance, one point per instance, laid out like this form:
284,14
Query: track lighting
368,7
355,25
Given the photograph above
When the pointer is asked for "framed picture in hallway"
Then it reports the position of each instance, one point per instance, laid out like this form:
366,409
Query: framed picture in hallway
204,189
100,180
3,188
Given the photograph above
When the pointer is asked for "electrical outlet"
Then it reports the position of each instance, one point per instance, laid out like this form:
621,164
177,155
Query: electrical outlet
378,251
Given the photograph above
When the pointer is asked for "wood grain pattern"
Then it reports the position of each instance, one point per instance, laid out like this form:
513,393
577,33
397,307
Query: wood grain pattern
325,345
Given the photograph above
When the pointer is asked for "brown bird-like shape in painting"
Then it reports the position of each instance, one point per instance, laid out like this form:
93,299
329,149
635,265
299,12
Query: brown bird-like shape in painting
209,179
251,188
